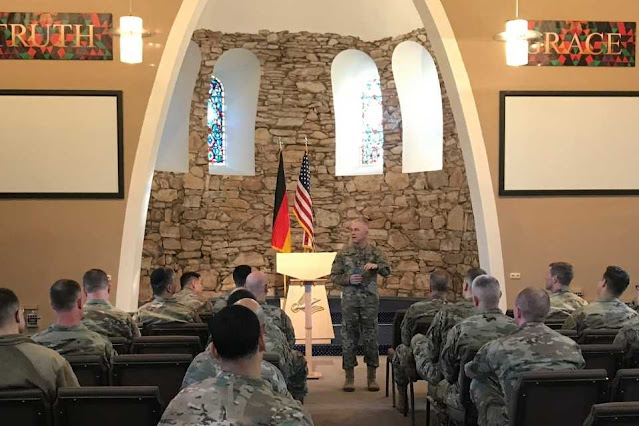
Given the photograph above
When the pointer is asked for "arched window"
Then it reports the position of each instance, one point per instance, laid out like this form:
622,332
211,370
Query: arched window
420,101
359,131
215,120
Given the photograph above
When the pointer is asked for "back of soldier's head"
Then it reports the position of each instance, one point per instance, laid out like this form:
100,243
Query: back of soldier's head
188,277
617,280
439,282
239,294
257,283
95,280
9,305
239,275
64,295
161,279
563,271
474,273
235,332
533,303
487,290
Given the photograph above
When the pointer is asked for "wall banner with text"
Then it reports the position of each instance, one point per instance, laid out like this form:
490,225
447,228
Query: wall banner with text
583,44
56,36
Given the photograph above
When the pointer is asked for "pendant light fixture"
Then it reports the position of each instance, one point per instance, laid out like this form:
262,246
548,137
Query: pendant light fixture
131,32
517,36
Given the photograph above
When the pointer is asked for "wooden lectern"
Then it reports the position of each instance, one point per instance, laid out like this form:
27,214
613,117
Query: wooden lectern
308,268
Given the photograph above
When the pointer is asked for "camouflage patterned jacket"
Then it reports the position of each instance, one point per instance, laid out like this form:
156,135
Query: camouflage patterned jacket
533,347
198,303
473,332
231,399
161,311
100,316
53,370
219,303
204,366
352,257
424,309
75,340
564,302
602,313
628,337
281,320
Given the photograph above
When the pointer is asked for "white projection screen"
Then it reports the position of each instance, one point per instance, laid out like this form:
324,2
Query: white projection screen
61,144
569,143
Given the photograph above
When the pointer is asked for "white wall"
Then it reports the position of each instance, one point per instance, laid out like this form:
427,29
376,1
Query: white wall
367,19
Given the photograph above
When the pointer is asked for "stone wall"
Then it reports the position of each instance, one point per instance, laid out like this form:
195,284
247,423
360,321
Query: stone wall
200,222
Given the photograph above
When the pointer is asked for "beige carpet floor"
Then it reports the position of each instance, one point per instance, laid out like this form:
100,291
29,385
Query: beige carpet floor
329,405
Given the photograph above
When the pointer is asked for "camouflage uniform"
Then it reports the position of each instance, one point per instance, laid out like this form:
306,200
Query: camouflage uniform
204,366
100,316
427,349
628,337
564,302
602,313
499,365
360,302
403,357
75,340
27,365
292,363
162,311
219,303
471,333
198,303
231,399
281,320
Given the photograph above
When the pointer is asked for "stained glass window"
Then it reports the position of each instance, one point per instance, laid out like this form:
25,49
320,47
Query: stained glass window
216,133
372,129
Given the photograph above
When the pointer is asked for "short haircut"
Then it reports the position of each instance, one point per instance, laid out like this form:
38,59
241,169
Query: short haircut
161,278
235,332
487,290
188,277
563,272
474,273
239,295
360,220
9,305
64,294
534,304
95,280
240,273
617,280
439,282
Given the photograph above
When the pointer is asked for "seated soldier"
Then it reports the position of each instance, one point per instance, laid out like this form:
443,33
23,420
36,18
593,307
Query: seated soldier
25,364
191,294
292,362
239,278
99,315
563,302
164,308
68,336
486,325
607,311
257,283
499,364
238,395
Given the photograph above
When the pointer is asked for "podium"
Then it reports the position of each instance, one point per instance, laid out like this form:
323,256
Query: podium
309,307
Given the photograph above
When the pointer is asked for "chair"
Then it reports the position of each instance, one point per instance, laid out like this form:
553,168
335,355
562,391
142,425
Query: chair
601,336
608,357
421,327
166,371
91,370
554,398
25,407
555,325
108,406
397,340
200,330
614,413
120,344
570,333
510,313
467,415
166,345
625,387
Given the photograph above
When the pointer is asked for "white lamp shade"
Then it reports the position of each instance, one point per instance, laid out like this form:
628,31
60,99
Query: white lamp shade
131,46
516,42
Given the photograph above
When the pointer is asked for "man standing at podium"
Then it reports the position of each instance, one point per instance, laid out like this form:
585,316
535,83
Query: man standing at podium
355,269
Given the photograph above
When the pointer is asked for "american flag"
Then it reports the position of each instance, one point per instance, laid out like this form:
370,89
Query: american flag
303,206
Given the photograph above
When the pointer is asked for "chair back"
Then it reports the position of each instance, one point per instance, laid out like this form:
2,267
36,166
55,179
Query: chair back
201,330
608,357
468,414
397,327
24,407
554,324
91,370
120,344
625,387
557,398
603,336
614,414
422,324
166,345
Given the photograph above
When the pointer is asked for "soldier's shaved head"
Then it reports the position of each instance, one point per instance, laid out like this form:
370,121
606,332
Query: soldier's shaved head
257,283
253,306
9,305
533,303
487,291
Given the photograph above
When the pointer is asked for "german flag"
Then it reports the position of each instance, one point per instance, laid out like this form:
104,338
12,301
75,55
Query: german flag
281,234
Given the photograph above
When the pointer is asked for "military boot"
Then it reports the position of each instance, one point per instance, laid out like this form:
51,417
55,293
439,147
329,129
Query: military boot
349,382
372,384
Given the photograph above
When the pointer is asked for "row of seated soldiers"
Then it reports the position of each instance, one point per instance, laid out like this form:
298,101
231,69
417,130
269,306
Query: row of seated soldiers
85,319
507,347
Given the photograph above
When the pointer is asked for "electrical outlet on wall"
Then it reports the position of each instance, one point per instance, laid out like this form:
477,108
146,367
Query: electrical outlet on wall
515,275
31,316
